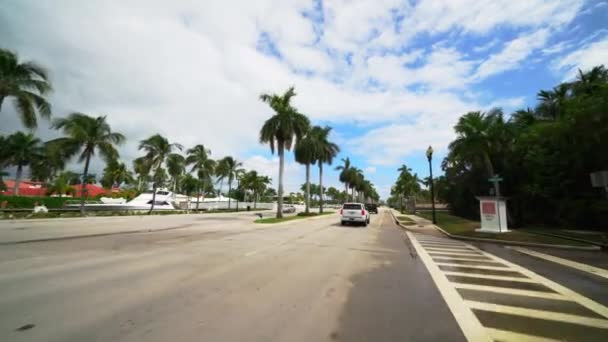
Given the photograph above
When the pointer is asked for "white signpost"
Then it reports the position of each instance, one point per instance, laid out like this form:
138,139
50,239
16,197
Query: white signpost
493,211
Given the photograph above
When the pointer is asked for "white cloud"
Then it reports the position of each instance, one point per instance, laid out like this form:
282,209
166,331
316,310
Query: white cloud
587,57
513,54
191,70
556,48
369,170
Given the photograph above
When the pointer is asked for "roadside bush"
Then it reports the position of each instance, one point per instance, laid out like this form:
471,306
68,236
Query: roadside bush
309,214
27,202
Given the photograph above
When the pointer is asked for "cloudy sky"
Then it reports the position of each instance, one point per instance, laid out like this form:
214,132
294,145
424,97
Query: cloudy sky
391,76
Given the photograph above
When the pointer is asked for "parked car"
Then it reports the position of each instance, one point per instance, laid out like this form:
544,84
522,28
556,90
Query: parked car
354,213
372,208
288,208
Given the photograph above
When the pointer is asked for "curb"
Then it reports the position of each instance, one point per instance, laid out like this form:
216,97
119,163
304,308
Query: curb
602,246
500,242
74,237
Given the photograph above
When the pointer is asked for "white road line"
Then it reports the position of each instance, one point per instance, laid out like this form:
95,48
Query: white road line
493,277
504,335
506,290
436,253
540,314
435,245
564,291
458,255
600,272
468,322
445,242
491,268
437,249
451,257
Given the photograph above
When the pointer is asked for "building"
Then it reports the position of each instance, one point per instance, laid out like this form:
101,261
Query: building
33,188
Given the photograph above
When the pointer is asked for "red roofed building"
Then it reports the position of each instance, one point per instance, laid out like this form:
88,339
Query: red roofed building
32,188
26,188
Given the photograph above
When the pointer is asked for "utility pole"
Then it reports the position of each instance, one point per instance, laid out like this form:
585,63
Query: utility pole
429,156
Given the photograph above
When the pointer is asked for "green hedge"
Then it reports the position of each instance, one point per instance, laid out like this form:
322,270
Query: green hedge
28,202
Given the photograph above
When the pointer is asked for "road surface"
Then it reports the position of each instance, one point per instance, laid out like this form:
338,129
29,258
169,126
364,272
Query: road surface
224,278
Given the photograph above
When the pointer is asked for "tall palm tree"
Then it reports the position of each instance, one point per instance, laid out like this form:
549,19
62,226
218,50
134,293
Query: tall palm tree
142,170
324,151
198,157
229,168
26,83
344,169
355,178
24,149
304,152
189,185
280,130
157,149
86,134
115,173
176,166
51,162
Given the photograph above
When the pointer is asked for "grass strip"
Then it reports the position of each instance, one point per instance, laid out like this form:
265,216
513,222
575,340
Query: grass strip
463,227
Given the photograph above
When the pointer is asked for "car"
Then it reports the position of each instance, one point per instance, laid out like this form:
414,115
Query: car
372,208
288,208
354,213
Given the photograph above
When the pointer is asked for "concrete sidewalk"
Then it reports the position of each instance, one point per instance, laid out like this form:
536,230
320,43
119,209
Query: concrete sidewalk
422,225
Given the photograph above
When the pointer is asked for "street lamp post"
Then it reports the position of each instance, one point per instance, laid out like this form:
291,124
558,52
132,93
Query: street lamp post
429,156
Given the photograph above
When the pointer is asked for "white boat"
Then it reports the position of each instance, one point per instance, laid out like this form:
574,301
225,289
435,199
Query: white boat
164,201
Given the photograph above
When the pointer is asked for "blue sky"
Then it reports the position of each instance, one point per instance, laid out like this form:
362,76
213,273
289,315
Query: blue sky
390,76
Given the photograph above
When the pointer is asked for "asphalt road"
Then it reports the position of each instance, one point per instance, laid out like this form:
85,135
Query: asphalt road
223,278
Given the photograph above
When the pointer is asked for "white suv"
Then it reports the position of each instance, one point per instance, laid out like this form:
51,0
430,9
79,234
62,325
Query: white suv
355,213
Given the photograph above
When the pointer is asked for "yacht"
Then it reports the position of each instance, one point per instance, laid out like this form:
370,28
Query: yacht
164,201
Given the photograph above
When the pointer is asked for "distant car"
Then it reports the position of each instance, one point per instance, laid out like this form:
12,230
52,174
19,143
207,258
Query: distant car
288,208
354,213
372,208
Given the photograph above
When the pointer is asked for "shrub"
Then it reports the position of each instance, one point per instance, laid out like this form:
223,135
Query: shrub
27,202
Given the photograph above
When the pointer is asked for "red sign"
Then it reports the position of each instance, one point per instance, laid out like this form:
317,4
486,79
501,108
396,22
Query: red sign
488,208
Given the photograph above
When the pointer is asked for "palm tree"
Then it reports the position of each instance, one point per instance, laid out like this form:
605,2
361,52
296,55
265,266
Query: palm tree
324,152
23,150
354,179
188,185
27,83
176,166
344,169
304,152
280,131
86,134
49,164
229,168
142,170
115,174
61,185
157,149
198,157
474,137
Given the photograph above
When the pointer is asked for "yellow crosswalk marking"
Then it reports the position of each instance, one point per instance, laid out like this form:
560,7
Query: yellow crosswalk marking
504,335
493,277
507,290
540,314
565,262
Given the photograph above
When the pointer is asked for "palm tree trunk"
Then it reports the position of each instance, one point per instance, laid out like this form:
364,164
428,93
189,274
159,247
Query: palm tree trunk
281,170
198,192
307,188
346,191
320,188
83,192
153,198
229,189
17,180
353,194
255,200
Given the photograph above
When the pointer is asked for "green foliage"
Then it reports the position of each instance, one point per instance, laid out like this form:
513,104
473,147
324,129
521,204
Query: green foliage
544,155
26,202
26,83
